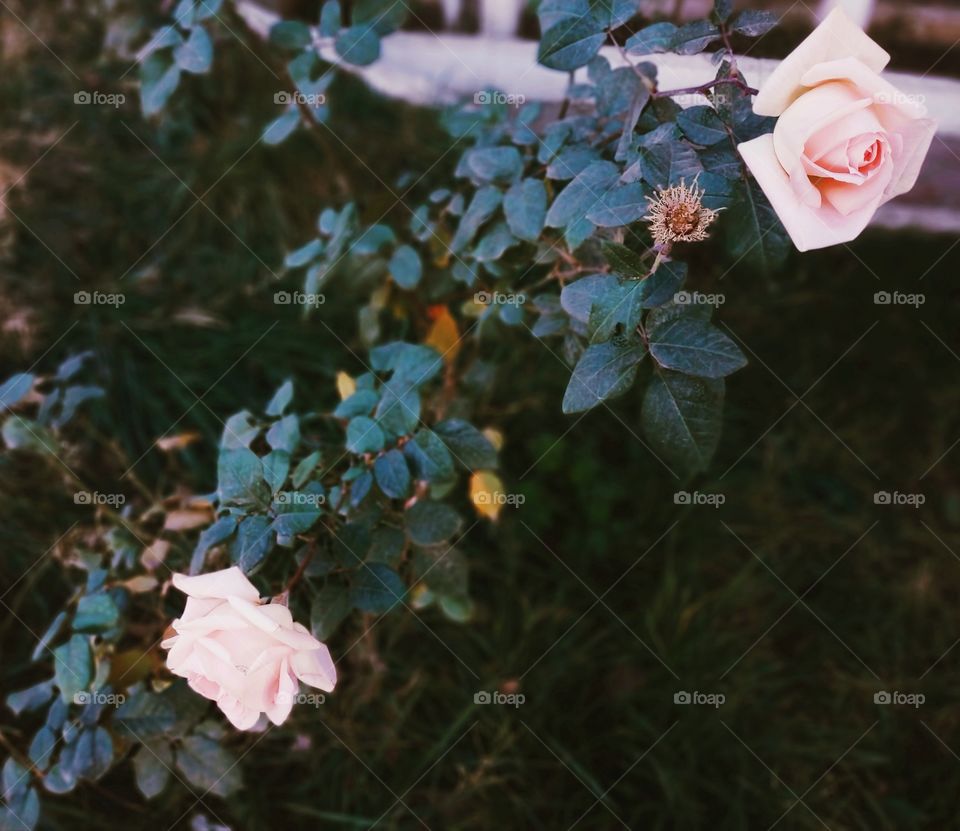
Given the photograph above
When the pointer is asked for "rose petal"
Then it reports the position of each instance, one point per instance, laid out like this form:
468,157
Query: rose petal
836,37
809,228
229,582
240,717
867,81
315,668
847,198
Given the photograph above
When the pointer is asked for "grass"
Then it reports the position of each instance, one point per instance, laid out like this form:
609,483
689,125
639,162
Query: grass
599,598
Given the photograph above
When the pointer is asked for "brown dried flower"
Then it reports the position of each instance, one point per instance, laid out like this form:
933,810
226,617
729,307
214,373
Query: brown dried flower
677,214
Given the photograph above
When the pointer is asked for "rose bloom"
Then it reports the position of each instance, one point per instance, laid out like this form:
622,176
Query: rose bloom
245,655
845,142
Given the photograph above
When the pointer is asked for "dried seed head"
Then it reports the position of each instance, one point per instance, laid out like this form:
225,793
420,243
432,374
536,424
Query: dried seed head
677,214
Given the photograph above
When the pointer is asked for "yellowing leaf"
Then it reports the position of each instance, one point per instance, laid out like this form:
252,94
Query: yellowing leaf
346,386
177,442
486,491
154,554
444,334
140,584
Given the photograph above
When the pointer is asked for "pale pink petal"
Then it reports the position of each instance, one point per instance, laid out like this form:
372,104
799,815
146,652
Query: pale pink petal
240,717
809,228
916,137
836,37
229,582
867,81
847,198
315,668
286,695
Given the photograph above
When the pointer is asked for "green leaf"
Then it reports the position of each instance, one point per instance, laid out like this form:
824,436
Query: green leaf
754,232
195,54
151,766
620,205
330,18
295,512
95,613
582,194
304,468
494,243
393,474
360,403
290,34
525,207
702,125
431,523
32,698
623,261
73,667
23,434
15,389
753,23
208,766
571,43
387,546
328,609
483,205
239,430
604,371
412,362
692,346
209,537
281,399
694,37
144,715
364,436
430,456
405,267
467,444
359,45
652,39
255,538
93,753
158,81
278,130
495,164
276,466
285,434
682,417
378,588
240,478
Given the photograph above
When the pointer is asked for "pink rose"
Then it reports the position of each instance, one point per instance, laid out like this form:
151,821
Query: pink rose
845,142
246,656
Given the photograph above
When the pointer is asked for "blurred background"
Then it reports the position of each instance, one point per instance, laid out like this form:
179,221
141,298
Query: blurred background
779,611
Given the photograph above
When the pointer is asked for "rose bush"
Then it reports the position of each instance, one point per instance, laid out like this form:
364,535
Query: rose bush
246,656
846,140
